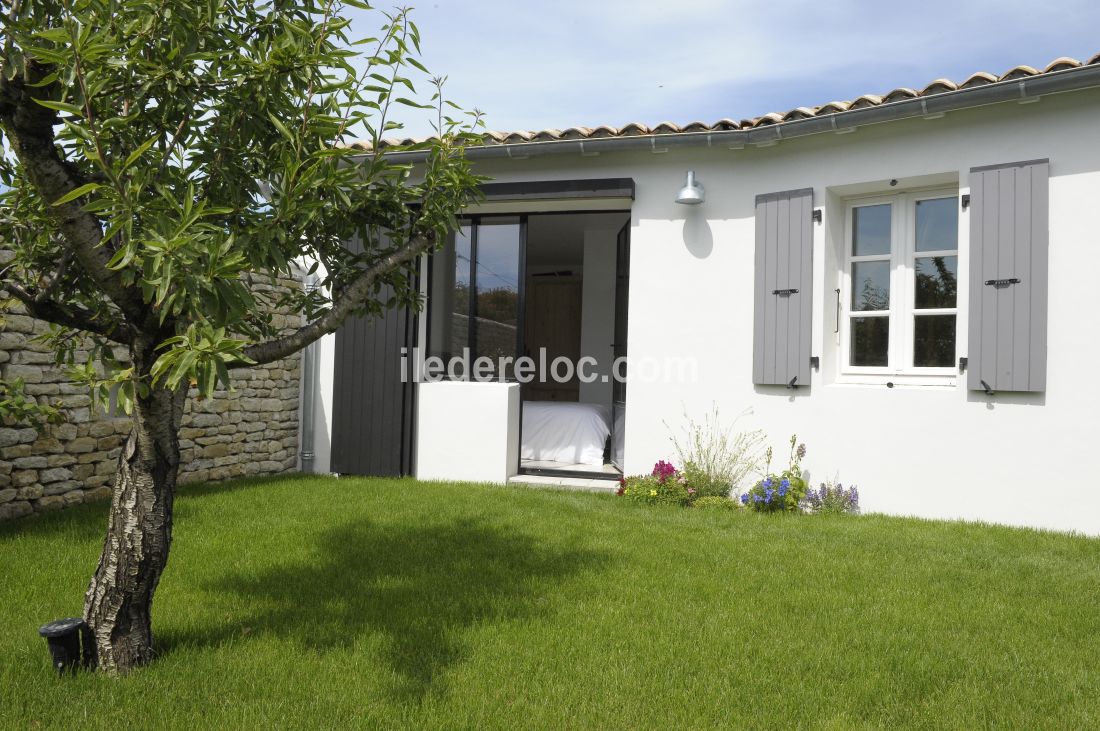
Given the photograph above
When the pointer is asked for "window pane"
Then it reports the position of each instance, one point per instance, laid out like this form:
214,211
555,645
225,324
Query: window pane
497,287
870,341
934,341
936,279
870,285
871,230
449,298
460,299
938,224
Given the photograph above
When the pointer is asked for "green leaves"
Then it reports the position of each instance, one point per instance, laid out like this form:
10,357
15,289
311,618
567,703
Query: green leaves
209,142
72,195
199,357
60,106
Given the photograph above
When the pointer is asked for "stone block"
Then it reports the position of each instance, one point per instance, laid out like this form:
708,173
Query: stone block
83,471
54,474
60,488
7,495
50,502
20,478
65,431
60,460
19,450
81,445
205,420
109,442
98,493
46,444
99,429
30,492
15,510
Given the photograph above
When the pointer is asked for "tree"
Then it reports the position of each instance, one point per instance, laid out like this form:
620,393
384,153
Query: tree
161,156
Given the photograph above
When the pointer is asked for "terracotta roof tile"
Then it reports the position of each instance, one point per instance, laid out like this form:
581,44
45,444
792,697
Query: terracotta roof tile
1019,72
979,79
1061,64
939,86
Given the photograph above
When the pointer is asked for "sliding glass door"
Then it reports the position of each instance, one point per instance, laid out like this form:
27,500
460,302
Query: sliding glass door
476,298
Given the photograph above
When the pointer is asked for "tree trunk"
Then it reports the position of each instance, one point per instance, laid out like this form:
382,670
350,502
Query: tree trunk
119,600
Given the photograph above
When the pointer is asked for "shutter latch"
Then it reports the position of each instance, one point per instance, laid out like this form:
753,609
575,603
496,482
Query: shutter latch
792,383
987,387
1002,282
787,292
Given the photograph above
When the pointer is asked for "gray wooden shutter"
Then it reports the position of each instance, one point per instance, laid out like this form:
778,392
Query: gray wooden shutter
784,288
1008,276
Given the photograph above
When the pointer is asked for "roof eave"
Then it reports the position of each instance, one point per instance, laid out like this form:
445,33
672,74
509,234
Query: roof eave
1054,82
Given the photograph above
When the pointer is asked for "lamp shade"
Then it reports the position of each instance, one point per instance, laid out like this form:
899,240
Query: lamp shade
692,193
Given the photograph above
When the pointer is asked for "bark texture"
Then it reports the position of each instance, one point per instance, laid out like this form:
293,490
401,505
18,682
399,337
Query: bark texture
119,601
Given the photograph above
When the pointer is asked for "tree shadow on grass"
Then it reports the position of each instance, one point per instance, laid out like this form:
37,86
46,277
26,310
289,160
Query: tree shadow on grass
416,589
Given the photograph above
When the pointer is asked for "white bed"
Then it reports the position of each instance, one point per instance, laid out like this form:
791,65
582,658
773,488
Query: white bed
555,431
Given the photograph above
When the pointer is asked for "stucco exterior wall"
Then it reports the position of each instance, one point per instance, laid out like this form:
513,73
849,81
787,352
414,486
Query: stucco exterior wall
932,451
938,450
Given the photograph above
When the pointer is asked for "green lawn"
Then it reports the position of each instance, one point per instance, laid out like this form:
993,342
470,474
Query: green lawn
390,603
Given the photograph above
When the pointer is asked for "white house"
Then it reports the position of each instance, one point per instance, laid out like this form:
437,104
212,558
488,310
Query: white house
911,283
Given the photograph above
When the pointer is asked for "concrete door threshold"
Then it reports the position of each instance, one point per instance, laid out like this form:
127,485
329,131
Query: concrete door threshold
569,483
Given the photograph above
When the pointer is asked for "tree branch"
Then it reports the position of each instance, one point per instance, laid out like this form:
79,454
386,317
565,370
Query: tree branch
77,319
30,128
352,296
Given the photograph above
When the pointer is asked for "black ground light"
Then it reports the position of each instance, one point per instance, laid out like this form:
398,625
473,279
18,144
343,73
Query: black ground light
63,637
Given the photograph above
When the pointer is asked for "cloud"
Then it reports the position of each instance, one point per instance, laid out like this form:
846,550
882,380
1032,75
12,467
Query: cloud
534,65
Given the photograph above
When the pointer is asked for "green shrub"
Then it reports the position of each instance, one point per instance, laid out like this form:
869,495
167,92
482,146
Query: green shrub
781,492
715,457
704,484
832,498
714,502
665,486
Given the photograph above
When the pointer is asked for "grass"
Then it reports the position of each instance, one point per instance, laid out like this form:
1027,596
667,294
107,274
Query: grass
321,603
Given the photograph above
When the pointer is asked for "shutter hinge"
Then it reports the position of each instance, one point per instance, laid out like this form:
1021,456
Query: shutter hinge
988,389
792,384
784,292
815,362
962,364
816,215
998,283
965,201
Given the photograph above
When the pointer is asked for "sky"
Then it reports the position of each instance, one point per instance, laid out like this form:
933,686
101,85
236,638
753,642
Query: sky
535,65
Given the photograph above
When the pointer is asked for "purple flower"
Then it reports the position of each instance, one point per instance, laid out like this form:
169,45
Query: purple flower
745,499
768,495
767,482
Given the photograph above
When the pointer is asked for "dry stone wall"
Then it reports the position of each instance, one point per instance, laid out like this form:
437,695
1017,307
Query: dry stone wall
252,430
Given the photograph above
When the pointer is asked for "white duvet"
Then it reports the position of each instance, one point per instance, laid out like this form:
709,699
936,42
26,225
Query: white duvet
565,432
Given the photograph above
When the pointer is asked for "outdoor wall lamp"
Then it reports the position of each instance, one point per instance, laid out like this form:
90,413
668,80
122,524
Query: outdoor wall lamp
692,193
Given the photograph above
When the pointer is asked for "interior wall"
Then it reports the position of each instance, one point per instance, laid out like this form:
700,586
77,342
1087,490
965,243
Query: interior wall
598,311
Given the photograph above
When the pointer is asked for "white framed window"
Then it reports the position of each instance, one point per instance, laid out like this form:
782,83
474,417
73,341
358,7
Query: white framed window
899,287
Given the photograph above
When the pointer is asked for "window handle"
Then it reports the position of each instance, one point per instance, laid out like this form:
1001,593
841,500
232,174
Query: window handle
837,328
